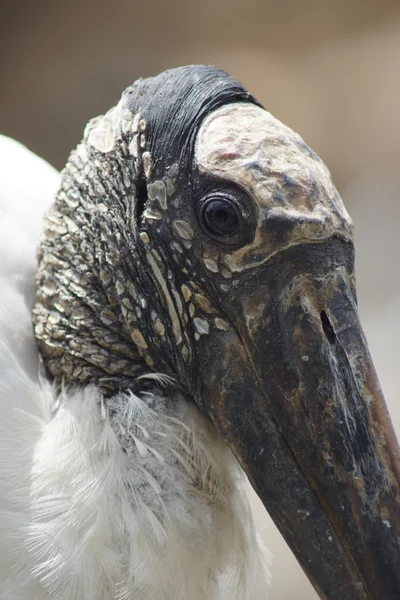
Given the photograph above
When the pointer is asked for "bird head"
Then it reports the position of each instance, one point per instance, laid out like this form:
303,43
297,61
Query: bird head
195,235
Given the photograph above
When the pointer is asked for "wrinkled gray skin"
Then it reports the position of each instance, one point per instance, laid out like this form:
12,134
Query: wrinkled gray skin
260,329
92,242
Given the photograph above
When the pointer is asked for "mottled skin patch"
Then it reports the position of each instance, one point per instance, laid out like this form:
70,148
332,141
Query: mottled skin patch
102,133
92,241
245,144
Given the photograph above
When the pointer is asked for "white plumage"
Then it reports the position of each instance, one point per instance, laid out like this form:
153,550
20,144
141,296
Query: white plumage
140,501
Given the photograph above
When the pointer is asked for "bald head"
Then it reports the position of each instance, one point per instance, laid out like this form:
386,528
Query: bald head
246,146
179,188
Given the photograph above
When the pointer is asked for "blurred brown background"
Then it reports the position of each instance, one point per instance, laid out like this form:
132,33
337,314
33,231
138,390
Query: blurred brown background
328,69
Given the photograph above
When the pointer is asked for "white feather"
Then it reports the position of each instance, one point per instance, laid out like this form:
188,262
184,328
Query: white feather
136,499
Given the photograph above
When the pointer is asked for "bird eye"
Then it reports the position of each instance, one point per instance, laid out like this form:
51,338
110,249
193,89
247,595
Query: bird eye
220,217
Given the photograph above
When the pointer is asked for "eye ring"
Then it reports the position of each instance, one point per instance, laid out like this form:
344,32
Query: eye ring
220,217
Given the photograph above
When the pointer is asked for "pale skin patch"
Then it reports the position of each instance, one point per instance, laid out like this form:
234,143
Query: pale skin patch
246,145
170,186
176,328
147,164
134,146
157,192
138,338
144,237
149,360
102,133
201,326
182,230
211,265
221,324
159,328
203,303
150,213
187,292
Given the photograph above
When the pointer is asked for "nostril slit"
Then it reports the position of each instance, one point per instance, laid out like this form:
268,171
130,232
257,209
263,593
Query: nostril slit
327,327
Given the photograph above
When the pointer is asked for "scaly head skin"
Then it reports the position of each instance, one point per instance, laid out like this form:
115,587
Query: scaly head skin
197,236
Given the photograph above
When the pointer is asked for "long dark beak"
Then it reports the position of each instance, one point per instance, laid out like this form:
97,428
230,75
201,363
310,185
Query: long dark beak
299,402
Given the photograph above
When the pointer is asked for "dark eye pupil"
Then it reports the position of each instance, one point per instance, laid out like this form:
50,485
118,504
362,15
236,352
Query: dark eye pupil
221,215
221,218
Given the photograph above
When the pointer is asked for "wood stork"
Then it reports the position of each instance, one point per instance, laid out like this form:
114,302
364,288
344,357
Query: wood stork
194,296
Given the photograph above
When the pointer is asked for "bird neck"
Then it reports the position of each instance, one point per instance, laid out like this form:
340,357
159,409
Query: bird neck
138,497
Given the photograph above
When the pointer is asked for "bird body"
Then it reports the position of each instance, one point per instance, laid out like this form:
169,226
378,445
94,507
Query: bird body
193,303
167,517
